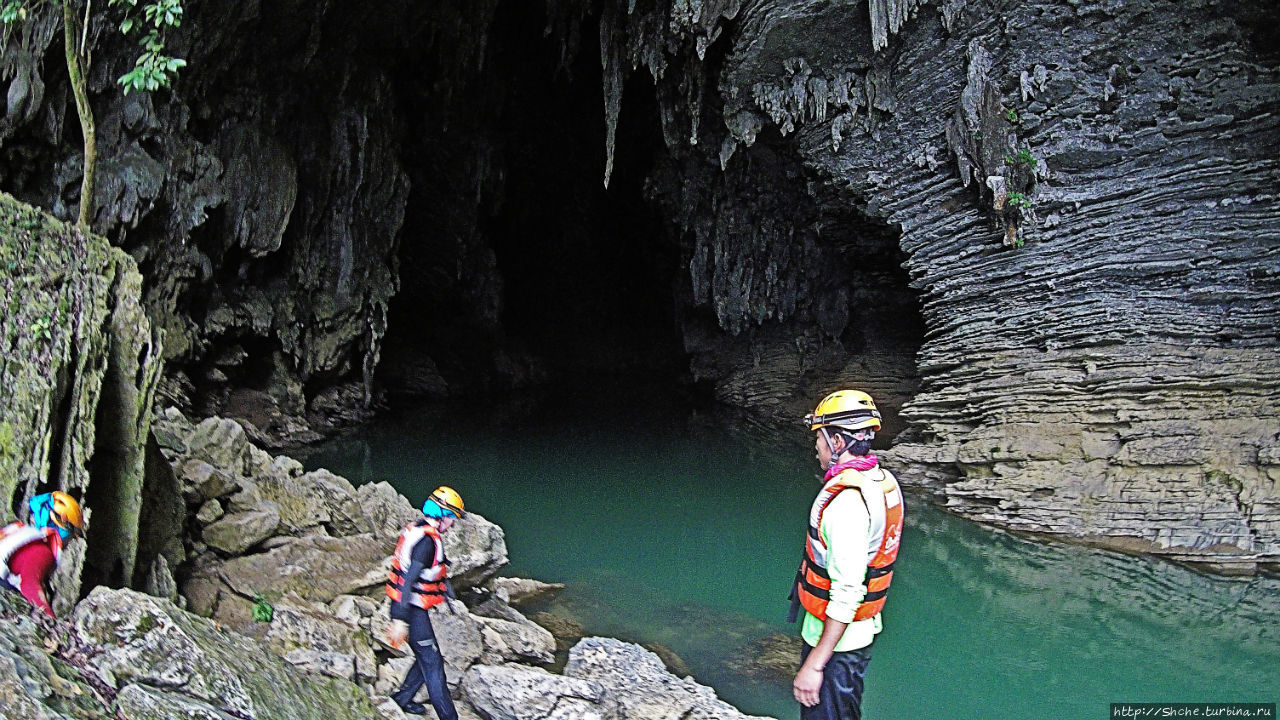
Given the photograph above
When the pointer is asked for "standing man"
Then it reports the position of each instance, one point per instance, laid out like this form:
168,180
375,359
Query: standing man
417,584
848,559
29,553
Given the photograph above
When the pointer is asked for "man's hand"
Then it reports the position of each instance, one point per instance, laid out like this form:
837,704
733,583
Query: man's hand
397,633
806,685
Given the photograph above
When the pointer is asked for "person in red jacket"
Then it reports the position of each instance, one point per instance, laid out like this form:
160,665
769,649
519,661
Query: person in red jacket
29,553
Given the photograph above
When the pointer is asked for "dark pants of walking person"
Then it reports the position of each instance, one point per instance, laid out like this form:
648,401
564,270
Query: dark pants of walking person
428,668
840,697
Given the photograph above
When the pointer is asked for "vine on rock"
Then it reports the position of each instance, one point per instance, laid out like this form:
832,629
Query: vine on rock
152,70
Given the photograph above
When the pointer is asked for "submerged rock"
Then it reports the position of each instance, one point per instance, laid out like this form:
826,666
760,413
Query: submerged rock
520,591
774,658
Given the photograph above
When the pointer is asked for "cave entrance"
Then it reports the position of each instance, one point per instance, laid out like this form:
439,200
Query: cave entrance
518,266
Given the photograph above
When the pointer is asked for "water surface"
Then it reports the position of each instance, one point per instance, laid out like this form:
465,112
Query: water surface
675,528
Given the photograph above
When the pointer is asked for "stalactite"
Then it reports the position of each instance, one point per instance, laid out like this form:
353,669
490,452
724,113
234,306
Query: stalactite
611,65
887,17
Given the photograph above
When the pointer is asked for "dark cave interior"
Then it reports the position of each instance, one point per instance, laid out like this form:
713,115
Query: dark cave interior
585,274
519,267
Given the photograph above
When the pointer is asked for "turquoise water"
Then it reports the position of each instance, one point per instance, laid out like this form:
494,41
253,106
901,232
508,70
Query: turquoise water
668,528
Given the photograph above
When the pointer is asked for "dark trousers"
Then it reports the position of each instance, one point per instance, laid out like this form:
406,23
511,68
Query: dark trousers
428,667
840,697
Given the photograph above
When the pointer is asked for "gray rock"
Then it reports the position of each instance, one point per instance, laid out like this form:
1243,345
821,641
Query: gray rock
346,517
476,549
514,692
313,639
237,532
507,640
387,510
641,685
209,512
301,504
222,443
160,582
517,590
141,702
148,641
202,482
315,568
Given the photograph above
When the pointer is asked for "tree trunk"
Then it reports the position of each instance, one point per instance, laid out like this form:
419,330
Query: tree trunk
72,29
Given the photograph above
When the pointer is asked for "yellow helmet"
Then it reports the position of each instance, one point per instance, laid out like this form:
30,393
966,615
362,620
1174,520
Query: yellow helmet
65,512
846,409
447,499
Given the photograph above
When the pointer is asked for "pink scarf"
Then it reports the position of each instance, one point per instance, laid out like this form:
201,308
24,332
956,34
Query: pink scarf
859,463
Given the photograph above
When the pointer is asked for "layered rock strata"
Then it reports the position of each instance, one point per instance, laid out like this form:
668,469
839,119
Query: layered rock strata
1115,376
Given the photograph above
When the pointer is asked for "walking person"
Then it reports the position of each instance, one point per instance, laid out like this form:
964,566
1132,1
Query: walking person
417,583
848,559
30,553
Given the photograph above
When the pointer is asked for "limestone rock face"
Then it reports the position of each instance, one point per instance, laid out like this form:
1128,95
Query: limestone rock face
1117,375
80,369
313,639
149,642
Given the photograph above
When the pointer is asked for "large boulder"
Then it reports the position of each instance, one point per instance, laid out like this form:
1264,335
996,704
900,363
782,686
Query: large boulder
518,641
385,508
149,642
476,549
345,514
32,686
640,683
222,443
313,639
235,533
315,568
513,692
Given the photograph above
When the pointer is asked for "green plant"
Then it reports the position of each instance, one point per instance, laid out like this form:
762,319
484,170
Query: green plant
1018,200
152,70
42,328
1011,115
1021,158
12,11
262,610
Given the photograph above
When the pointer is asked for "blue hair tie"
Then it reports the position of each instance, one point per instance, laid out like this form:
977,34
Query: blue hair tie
432,509
41,506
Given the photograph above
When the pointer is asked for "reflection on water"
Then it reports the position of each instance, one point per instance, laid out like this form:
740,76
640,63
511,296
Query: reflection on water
677,532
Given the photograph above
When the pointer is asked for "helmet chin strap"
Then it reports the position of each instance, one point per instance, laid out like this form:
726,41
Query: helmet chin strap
835,456
864,434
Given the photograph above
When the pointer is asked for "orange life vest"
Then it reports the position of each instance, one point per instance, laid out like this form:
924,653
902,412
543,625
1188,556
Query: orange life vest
883,498
429,587
17,535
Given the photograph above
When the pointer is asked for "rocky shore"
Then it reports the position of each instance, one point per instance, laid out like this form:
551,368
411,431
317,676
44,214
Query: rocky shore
278,612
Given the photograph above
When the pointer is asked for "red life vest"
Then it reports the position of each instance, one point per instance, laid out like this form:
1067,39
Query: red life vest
883,498
429,587
17,535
